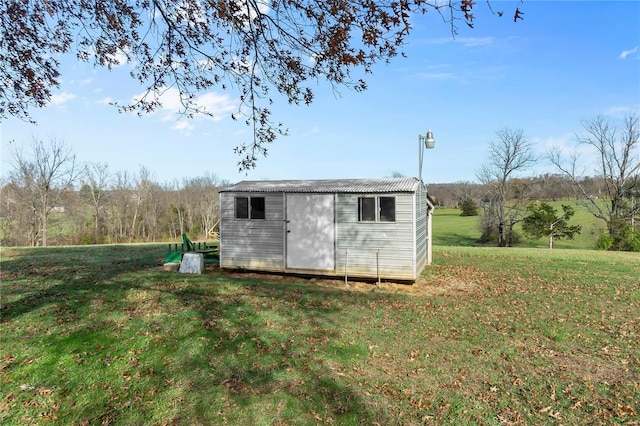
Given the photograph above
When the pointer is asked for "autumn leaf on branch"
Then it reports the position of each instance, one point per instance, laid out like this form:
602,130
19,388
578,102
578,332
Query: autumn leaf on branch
517,15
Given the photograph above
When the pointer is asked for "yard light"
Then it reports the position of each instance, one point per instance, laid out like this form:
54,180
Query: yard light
424,141
429,141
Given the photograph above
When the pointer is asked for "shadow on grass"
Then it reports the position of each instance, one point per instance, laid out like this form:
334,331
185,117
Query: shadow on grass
453,239
121,343
275,345
37,276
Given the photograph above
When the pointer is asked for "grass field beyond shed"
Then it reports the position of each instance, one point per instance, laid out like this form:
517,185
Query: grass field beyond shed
100,335
451,229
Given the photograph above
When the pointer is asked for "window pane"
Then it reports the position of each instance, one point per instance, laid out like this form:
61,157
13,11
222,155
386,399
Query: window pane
242,208
257,208
387,209
366,209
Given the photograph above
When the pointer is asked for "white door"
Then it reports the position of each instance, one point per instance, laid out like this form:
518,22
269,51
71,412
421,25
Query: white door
310,231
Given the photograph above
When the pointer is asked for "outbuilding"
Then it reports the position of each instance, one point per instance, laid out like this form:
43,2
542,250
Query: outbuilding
367,228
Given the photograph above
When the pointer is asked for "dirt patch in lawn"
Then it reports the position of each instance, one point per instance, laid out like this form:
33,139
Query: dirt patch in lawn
422,287
593,369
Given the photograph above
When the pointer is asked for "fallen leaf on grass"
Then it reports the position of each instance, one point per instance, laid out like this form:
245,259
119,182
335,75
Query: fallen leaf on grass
44,391
549,412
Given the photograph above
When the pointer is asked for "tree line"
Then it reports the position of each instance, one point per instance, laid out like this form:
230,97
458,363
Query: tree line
51,199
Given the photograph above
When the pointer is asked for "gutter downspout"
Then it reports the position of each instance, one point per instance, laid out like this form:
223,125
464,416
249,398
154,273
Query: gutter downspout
430,208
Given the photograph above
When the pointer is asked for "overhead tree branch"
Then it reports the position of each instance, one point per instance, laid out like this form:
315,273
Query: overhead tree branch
251,47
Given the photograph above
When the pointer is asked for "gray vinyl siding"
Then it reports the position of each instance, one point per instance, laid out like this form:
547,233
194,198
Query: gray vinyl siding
252,243
365,248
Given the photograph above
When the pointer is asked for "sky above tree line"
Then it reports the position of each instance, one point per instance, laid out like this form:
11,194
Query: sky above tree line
566,62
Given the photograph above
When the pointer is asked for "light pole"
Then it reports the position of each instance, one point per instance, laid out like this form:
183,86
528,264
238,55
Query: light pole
426,141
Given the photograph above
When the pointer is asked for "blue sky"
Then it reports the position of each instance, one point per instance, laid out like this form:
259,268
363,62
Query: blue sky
566,62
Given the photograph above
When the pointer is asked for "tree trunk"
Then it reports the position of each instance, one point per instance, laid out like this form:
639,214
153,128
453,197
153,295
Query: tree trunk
133,224
502,241
44,220
96,225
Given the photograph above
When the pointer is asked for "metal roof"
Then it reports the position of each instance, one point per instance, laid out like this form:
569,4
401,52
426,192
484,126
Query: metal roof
360,186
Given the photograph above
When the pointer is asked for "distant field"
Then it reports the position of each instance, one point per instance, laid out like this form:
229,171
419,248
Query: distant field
451,229
99,335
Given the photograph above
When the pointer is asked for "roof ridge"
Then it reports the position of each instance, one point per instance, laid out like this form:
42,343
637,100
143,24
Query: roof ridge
348,185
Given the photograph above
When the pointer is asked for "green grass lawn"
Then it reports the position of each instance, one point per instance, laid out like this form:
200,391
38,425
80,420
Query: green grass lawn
451,229
100,335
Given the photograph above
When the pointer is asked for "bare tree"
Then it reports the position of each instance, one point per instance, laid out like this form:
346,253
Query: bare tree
616,149
463,191
175,209
509,154
44,173
19,215
209,204
253,47
139,196
94,191
153,211
75,221
119,207
112,208
555,187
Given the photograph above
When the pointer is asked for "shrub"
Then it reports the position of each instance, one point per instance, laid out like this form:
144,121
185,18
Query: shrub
604,241
634,241
619,236
469,208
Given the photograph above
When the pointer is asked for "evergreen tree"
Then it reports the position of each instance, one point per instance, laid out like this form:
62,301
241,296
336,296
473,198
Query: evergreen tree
469,208
544,221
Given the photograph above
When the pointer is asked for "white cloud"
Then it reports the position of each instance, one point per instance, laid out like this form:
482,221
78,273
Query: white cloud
568,147
626,53
120,57
62,98
219,105
436,72
263,8
183,125
466,41
435,75
105,101
312,131
194,13
475,41
564,143
621,111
